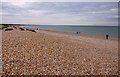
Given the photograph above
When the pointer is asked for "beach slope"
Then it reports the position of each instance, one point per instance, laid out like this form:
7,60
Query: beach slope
57,53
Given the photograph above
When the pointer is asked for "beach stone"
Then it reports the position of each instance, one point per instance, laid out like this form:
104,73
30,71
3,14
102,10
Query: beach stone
54,53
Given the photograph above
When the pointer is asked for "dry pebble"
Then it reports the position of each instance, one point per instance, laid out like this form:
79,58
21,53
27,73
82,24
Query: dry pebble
55,53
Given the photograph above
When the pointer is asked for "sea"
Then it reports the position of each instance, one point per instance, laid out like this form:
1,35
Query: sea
92,30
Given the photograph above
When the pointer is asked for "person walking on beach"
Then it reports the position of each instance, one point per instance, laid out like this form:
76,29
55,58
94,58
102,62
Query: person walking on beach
107,36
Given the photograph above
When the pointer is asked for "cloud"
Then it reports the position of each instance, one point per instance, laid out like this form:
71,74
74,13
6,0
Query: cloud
9,8
76,7
100,13
60,0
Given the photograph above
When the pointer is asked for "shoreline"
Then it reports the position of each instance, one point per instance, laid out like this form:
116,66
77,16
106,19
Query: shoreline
82,34
91,34
114,38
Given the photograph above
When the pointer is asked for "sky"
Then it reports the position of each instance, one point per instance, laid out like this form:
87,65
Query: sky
52,13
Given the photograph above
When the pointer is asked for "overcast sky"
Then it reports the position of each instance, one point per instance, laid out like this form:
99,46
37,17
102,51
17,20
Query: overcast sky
88,13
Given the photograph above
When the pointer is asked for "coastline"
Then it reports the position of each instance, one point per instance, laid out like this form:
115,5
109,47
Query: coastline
90,30
47,52
114,38
82,34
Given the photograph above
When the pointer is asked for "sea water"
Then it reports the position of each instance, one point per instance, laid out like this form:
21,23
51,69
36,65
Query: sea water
93,30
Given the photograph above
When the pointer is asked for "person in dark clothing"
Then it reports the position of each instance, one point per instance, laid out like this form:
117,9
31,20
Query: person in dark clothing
107,36
77,32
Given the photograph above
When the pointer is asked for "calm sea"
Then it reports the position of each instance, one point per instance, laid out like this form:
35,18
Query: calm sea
94,30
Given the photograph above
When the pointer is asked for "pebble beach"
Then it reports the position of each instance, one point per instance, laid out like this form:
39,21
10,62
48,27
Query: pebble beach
47,52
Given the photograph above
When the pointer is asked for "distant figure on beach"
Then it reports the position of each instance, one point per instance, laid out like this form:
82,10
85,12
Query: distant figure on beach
107,36
77,32
37,29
